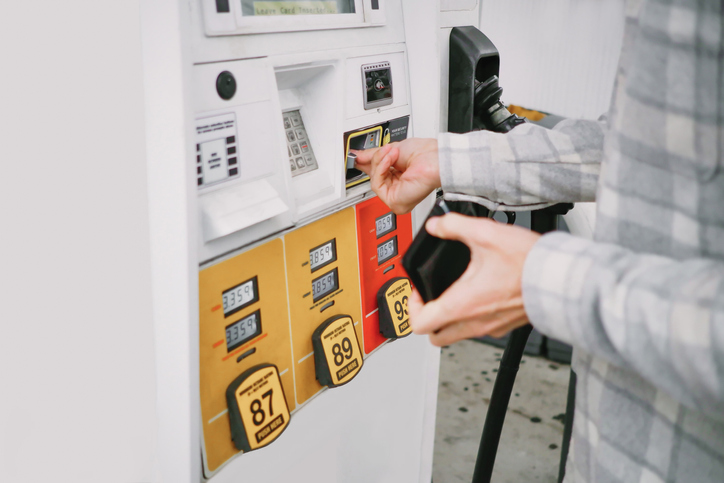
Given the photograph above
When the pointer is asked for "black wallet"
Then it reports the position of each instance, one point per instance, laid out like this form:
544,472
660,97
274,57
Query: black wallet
433,263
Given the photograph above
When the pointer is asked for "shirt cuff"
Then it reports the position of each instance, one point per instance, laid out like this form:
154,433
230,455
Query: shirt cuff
465,164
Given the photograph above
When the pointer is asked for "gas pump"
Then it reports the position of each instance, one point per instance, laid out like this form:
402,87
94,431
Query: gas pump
300,281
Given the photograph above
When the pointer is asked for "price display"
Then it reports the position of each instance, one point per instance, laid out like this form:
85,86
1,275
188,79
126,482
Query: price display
386,250
337,354
385,224
323,255
258,411
243,330
236,298
327,283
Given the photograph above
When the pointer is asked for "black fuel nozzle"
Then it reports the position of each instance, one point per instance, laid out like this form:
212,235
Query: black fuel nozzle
489,112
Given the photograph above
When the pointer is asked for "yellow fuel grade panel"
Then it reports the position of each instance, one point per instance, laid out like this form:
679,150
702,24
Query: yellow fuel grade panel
323,278
243,322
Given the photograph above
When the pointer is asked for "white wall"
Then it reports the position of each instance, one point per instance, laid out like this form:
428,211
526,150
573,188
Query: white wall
557,56
77,384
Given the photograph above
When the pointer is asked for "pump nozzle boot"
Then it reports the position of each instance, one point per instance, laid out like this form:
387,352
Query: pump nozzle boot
489,112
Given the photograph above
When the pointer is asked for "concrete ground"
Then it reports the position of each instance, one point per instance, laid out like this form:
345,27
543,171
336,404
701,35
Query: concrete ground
530,445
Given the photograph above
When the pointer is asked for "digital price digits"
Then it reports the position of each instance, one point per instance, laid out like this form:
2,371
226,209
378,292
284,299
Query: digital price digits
324,285
243,330
238,297
385,224
386,250
322,255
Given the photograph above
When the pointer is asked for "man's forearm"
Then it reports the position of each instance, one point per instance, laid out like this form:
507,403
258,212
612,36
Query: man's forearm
527,166
660,317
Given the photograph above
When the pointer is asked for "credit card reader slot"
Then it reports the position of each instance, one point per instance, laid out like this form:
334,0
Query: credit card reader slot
367,138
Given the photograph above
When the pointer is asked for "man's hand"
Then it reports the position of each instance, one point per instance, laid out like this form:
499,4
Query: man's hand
487,299
402,174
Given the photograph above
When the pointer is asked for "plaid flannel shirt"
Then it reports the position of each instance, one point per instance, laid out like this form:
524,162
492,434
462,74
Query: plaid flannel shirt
643,304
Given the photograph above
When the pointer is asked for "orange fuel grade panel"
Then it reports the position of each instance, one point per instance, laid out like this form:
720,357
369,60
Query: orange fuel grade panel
323,278
383,238
243,322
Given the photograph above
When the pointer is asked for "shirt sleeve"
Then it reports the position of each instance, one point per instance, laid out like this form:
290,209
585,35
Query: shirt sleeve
529,165
659,317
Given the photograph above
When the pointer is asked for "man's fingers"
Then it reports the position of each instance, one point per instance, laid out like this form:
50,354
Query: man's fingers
467,229
452,333
380,175
363,161
415,302
458,303
495,327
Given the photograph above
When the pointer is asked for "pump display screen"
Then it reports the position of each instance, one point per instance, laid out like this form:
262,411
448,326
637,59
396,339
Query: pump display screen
386,250
326,284
296,7
236,298
385,224
243,330
323,255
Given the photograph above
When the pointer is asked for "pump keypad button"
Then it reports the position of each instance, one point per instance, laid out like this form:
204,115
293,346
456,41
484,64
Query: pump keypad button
392,301
337,355
295,131
226,85
258,411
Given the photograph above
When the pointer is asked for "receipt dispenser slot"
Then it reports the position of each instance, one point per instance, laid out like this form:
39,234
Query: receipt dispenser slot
246,377
324,294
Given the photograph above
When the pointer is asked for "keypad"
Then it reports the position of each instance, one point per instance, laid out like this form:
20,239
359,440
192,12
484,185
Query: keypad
301,155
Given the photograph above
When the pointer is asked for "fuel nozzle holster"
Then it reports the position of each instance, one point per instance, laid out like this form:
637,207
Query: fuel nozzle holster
434,264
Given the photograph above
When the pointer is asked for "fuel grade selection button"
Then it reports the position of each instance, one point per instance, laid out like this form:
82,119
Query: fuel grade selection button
258,411
392,302
337,354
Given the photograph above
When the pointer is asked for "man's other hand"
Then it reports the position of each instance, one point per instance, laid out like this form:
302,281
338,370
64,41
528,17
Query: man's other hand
488,298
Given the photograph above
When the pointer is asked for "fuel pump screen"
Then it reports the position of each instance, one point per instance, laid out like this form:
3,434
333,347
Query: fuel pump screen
323,255
243,330
386,250
326,284
238,297
296,7
385,224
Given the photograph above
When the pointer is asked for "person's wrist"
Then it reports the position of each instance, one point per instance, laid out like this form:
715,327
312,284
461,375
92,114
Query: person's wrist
434,165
